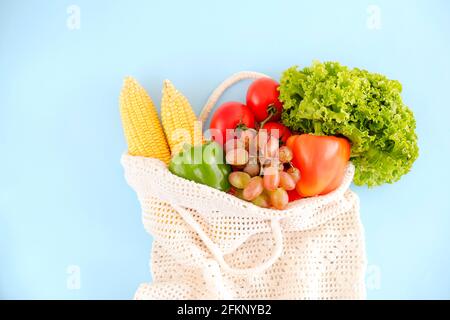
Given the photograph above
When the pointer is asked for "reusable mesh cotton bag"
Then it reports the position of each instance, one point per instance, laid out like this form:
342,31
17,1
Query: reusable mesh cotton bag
212,245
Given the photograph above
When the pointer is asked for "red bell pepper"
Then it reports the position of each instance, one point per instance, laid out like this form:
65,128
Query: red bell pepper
321,161
293,195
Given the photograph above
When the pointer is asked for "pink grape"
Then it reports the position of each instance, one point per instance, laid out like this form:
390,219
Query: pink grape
287,182
237,157
253,189
246,137
295,173
271,147
233,144
271,178
252,168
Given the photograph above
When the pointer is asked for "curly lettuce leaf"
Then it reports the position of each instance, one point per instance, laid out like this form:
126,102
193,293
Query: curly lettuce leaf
331,99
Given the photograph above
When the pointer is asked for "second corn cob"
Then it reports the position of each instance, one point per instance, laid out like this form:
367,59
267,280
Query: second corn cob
141,125
179,120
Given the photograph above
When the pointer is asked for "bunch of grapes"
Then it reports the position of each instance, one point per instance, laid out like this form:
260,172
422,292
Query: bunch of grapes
262,169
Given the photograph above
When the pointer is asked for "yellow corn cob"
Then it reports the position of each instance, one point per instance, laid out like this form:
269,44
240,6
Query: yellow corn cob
143,131
179,121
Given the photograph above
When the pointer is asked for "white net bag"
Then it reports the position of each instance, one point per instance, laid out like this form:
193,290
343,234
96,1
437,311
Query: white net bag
212,245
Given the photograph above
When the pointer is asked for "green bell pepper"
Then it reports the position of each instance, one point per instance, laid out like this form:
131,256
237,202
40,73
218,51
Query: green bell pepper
204,164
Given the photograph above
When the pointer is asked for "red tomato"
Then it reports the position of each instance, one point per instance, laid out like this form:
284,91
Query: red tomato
229,116
262,99
277,130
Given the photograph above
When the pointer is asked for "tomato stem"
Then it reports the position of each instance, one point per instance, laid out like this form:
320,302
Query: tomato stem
241,125
271,110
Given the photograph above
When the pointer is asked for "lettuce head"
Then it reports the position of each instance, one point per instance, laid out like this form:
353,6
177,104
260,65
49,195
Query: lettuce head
331,99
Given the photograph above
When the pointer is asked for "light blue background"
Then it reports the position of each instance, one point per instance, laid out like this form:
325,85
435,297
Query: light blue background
63,198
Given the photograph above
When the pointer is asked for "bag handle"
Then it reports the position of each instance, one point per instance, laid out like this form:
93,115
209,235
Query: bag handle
217,253
274,222
217,93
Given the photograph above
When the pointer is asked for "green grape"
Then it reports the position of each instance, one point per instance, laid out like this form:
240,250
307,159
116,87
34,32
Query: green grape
263,200
279,198
239,179
285,154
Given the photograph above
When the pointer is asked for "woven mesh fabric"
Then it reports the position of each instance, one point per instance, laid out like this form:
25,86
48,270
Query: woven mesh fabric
322,253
